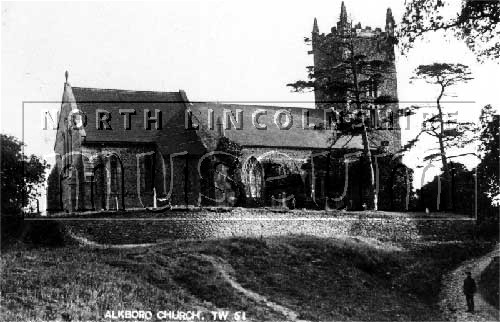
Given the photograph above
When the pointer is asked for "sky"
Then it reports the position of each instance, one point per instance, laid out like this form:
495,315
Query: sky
215,50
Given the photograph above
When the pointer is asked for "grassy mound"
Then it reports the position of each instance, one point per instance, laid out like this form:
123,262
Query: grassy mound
317,278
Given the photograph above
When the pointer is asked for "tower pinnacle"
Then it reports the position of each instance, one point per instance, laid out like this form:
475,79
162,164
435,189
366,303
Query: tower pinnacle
389,22
343,24
315,27
343,13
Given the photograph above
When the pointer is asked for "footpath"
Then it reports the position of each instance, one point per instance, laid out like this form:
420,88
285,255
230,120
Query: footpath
452,300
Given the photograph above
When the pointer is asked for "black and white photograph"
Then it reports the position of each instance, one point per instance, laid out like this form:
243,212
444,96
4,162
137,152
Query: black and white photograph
232,160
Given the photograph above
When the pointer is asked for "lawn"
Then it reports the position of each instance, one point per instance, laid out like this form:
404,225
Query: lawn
316,278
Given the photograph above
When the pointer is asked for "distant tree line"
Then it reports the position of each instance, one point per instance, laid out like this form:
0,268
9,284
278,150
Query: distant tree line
21,175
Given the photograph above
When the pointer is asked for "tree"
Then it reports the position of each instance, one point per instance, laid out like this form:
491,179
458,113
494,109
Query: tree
488,168
462,192
351,75
476,23
396,191
467,199
448,131
21,175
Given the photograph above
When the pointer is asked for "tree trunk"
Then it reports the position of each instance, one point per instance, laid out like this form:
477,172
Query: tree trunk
327,180
444,160
446,175
368,156
364,134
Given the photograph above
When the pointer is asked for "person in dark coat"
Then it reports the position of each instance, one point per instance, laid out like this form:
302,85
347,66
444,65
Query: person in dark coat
469,290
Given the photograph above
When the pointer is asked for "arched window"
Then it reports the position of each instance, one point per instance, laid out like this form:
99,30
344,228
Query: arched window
113,162
372,89
114,181
253,178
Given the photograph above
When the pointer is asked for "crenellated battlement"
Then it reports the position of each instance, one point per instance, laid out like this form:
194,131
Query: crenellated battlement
344,27
359,31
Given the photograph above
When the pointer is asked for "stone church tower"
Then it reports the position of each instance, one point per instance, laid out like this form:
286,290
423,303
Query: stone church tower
376,45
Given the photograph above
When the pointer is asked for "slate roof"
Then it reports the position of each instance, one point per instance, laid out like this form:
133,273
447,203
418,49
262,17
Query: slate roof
171,104
173,137
294,137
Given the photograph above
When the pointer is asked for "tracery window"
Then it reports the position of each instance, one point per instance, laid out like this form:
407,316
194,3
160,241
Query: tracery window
253,178
114,173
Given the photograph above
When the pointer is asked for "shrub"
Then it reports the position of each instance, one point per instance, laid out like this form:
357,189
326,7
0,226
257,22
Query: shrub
46,233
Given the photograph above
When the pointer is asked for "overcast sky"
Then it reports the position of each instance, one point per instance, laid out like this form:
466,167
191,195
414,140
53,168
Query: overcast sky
214,50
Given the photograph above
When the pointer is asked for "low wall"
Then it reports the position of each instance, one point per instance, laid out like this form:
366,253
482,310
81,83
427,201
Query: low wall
141,228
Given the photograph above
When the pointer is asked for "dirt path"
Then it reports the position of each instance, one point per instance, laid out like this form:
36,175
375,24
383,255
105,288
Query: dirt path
224,270
452,301
86,242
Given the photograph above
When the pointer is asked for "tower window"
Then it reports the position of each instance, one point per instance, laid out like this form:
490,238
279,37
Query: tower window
189,121
372,89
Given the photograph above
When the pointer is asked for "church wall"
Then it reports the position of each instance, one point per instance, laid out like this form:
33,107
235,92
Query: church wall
96,169
309,191
393,227
329,181
296,180
175,184
69,173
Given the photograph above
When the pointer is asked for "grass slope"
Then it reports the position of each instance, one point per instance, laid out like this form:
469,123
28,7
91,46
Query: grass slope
318,278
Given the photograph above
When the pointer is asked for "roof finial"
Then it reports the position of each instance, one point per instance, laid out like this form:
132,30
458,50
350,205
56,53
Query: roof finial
343,24
343,12
66,74
389,22
315,26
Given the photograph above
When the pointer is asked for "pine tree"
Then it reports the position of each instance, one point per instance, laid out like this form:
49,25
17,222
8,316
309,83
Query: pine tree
444,127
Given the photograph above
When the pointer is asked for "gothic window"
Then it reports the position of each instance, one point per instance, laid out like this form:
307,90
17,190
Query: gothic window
253,178
88,167
373,118
390,119
114,173
386,119
189,121
372,89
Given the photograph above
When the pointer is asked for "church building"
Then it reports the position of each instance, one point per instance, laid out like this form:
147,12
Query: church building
119,149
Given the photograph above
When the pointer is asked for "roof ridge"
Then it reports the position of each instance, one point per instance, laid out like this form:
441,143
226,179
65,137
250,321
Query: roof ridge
123,90
254,105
